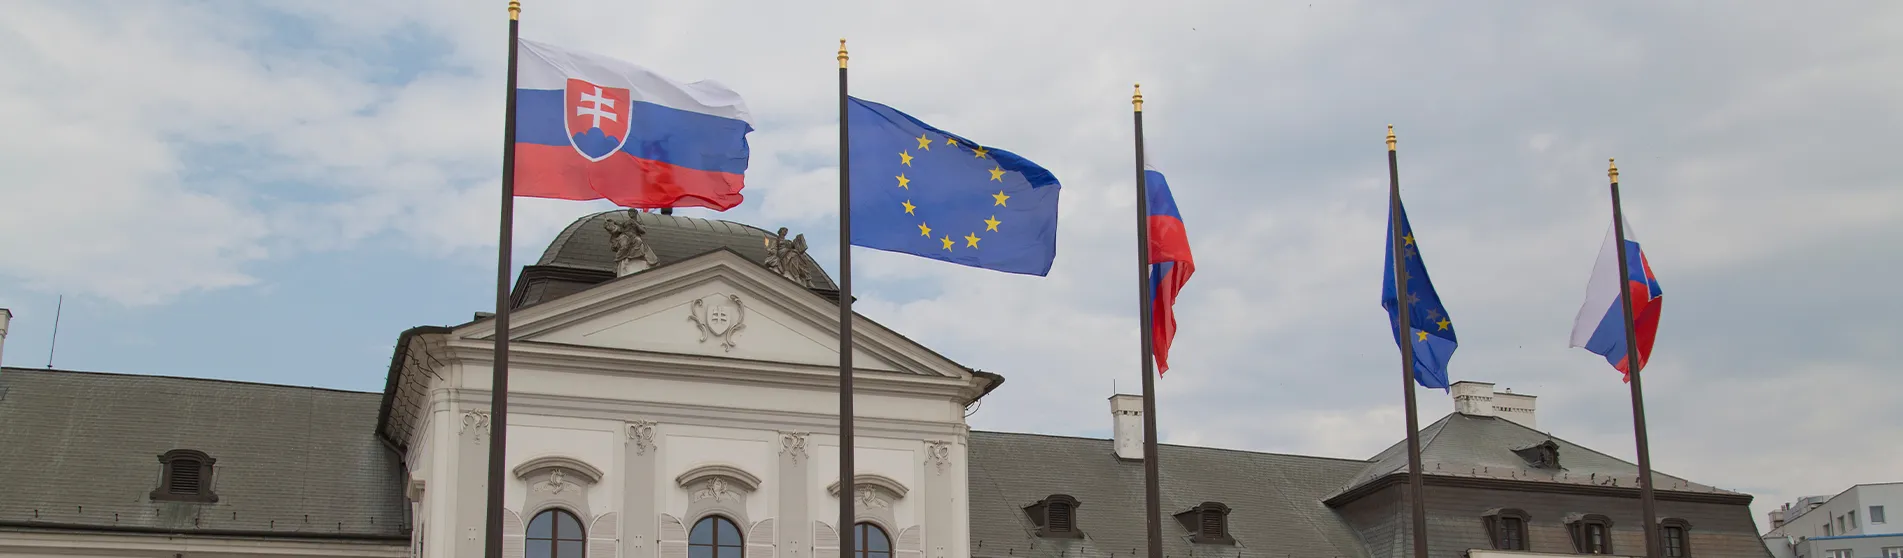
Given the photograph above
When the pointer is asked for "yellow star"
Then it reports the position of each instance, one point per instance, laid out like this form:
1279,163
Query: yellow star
909,207
1000,197
924,142
1407,240
951,142
1423,334
997,174
980,152
948,242
904,182
1443,323
992,223
924,230
905,158
971,240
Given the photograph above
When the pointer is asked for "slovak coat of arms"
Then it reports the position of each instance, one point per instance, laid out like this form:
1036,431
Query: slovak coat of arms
597,118
719,316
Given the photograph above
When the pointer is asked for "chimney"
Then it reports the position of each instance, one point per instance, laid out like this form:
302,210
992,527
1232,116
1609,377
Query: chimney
1478,399
1516,407
1126,414
6,317
1473,398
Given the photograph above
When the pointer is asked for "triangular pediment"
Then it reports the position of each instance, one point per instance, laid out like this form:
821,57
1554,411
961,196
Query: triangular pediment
718,306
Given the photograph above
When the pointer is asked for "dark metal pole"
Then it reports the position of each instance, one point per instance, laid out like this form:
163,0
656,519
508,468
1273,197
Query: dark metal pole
1632,365
499,377
1417,491
847,530
1152,500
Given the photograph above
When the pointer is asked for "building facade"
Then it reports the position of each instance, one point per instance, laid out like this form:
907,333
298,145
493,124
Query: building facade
1854,523
673,395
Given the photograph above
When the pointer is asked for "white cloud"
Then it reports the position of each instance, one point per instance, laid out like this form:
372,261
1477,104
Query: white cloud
187,145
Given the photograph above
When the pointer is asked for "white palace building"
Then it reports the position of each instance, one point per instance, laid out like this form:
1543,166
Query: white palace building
673,395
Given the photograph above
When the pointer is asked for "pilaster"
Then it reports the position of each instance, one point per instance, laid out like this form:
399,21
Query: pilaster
640,497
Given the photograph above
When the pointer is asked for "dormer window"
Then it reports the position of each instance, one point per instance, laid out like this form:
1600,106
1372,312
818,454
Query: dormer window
185,476
1055,517
1543,455
1507,528
1207,523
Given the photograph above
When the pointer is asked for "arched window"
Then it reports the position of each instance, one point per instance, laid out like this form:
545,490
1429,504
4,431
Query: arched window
556,533
715,537
871,542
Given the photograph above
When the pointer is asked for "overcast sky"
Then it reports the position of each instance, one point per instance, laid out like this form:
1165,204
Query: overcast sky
230,190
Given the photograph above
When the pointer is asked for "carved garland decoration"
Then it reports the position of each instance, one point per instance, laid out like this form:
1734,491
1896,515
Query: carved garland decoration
793,444
478,420
641,434
938,452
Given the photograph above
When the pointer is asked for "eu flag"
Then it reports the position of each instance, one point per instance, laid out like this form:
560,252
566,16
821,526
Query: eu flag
1430,329
923,191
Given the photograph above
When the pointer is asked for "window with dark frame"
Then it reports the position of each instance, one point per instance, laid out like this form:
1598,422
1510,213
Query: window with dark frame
715,537
555,533
1055,517
1675,534
185,476
871,542
1592,533
1506,528
1207,523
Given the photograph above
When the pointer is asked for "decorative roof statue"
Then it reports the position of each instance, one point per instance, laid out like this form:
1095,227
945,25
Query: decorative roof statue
629,240
788,258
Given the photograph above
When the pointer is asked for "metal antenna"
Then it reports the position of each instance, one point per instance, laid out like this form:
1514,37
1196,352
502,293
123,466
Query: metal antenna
57,309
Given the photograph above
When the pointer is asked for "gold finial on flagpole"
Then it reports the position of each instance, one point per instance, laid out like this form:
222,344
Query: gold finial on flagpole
1390,137
1137,97
1612,170
515,9
842,53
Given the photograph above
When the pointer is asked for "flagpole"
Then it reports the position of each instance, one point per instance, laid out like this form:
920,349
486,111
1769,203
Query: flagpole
1416,489
499,377
1646,503
1152,501
847,531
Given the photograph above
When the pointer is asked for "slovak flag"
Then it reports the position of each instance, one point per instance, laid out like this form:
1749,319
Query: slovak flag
1600,326
592,127
1171,263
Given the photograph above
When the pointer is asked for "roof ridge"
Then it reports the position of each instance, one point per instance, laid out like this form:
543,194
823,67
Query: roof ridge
1184,446
11,369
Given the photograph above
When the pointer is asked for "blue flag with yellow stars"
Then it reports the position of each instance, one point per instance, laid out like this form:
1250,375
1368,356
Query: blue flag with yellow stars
1431,330
923,191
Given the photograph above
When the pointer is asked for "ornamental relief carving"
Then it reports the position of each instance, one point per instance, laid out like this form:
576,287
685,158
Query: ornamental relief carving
717,489
869,499
478,421
793,445
720,317
641,434
938,452
556,483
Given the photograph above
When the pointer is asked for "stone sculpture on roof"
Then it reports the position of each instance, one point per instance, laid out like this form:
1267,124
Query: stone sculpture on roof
788,258
629,240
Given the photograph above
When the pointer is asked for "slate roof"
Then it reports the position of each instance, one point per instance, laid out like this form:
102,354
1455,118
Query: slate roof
584,244
1275,499
81,449
1482,447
